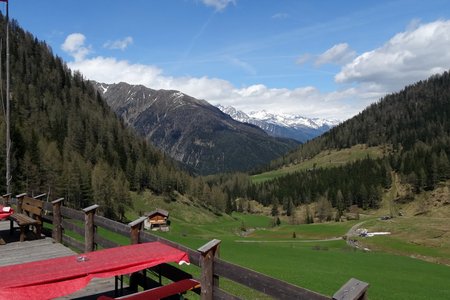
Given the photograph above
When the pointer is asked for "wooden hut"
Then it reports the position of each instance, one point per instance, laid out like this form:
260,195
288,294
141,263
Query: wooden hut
157,220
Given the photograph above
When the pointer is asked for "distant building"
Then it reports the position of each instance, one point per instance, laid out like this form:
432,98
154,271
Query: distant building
157,220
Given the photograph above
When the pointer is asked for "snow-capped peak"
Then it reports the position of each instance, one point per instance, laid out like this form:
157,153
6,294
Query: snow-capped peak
268,121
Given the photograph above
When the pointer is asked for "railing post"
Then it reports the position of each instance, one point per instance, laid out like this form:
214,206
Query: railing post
207,280
39,197
20,201
136,227
354,289
89,228
57,220
6,198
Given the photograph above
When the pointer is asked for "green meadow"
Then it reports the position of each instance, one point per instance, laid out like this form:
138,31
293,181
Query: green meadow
316,257
310,262
325,159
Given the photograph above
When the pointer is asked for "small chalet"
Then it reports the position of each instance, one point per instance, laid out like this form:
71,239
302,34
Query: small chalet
157,220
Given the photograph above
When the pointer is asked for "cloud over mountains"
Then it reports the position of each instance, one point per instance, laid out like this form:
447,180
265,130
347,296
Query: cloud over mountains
409,56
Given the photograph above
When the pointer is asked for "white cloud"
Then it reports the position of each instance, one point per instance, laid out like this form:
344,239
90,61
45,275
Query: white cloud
119,44
74,45
338,54
219,5
307,101
302,59
280,16
407,57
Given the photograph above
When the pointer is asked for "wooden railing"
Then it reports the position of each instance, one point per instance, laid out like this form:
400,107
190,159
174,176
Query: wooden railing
212,268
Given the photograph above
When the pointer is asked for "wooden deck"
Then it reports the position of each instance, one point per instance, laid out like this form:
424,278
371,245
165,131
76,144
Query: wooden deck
15,252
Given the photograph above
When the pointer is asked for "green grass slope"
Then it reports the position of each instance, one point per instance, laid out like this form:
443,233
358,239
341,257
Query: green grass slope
325,159
312,262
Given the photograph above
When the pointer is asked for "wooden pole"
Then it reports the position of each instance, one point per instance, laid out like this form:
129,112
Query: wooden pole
89,228
6,199
207,280
20,201
7,117
57,220
136,227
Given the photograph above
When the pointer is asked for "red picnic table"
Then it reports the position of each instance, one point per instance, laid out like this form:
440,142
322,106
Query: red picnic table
5,212
61,276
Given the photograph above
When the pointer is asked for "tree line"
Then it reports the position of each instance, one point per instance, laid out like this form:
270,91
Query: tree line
67,142
414,123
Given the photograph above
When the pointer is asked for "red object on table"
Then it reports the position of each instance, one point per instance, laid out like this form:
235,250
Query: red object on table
5,214
61,276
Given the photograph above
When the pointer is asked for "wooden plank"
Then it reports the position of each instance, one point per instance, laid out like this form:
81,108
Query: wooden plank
160,292
40,196
111,225
104,243
135,228
263,283
208,280
209,246
220,294
90,208
59,200
16,252
137,221
72,213
89,228
67,240
354,289
48,205
194,256
57,220
73,227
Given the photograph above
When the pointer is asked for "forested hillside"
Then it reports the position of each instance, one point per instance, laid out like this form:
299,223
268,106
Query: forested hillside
414,124
419,114
67,142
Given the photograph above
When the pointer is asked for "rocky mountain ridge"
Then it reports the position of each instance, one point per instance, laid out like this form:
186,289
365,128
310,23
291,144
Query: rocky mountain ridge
192,131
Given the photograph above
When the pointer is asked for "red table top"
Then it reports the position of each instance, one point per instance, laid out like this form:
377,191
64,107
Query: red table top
3,214
60,276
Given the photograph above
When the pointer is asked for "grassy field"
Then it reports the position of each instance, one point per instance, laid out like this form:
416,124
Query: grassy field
325,159
411,263
322,266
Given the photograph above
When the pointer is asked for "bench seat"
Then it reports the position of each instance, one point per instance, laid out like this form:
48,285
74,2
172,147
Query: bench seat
160,292
30,215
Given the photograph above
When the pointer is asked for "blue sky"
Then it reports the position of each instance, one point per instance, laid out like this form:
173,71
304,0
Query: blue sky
314,58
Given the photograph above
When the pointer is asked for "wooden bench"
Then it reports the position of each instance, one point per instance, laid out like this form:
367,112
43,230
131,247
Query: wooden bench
160,292
29,213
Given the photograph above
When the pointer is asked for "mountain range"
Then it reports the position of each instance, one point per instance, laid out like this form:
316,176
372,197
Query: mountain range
283,125
192,131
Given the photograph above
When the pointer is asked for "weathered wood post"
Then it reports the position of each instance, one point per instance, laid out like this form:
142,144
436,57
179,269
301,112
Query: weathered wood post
20,201
57,220
354,289
207,280
136,227
6,199
89,228
39,197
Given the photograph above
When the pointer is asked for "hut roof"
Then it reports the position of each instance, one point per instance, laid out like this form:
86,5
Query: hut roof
158,211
